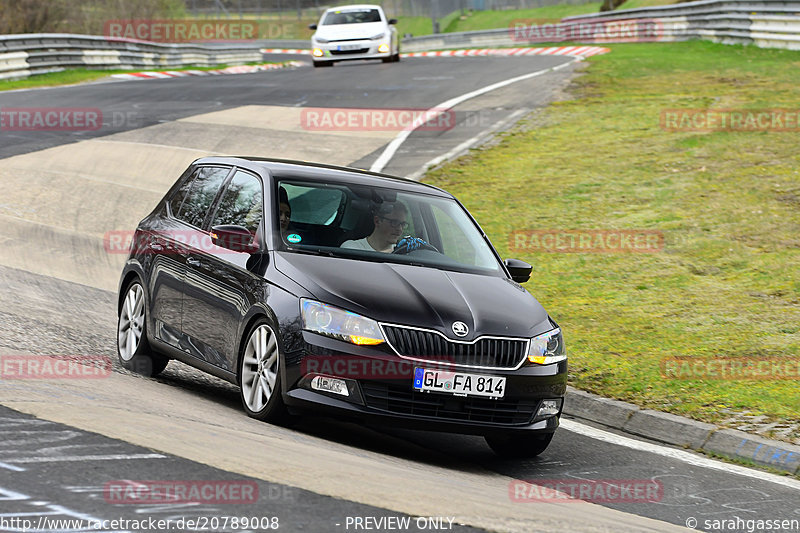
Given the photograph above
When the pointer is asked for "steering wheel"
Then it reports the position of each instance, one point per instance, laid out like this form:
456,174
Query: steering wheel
410,244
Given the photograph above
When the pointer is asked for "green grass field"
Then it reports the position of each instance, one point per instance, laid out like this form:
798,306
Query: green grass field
727,282
487,20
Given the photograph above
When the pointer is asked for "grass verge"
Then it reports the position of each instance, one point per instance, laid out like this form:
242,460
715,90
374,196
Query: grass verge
726,283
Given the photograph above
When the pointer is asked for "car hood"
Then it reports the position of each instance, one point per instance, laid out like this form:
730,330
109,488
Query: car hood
351,31
419,296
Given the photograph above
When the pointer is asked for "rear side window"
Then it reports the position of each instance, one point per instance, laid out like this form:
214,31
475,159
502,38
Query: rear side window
199,195
242,203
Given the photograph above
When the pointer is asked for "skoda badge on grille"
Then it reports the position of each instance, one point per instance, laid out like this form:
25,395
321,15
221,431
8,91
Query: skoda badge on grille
460,329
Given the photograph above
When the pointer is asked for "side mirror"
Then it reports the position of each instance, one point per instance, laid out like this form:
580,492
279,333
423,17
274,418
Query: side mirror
392,21
236,238
520,270
312,26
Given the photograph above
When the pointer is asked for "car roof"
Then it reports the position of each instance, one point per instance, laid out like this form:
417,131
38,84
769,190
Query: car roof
309,171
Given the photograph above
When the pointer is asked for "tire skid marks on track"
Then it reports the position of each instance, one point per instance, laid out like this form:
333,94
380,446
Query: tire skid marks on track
28,441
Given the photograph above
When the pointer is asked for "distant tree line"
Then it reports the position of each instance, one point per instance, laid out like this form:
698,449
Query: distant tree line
79,16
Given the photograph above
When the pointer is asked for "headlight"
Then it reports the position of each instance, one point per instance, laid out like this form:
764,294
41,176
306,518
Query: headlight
339,324
547,348
321,40
376,37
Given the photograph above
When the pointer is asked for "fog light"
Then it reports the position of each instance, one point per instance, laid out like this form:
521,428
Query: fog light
324,383
383,48
317,52
549,408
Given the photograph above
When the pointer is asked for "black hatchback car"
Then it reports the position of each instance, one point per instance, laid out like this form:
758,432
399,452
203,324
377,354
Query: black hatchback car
332,290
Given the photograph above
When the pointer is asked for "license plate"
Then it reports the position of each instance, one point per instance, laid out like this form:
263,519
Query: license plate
345,47
459,383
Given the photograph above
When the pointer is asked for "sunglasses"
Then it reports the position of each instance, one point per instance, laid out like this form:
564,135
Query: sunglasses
398,224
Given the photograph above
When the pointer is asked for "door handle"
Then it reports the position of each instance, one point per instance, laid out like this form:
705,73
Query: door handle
193,262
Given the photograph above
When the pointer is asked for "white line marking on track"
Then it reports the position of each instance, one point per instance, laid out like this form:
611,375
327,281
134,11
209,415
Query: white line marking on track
437,110
12,467
62,458
674,453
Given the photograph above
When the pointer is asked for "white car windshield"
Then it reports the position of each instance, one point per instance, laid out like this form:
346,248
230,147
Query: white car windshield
351,17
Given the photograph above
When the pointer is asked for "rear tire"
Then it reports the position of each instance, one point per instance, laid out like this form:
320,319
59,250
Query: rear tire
133,350
519,446
260,375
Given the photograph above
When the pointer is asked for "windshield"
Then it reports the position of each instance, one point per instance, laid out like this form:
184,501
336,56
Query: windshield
351,17
375,224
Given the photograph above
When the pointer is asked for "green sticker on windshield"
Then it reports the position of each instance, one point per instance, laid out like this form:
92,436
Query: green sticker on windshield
294,238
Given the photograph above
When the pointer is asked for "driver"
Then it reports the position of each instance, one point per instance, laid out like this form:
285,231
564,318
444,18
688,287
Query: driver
390,223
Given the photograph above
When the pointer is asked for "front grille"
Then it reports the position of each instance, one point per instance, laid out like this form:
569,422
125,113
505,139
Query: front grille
346,52
404,400
485,352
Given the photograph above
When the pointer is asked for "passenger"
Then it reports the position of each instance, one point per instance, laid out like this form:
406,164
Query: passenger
390,222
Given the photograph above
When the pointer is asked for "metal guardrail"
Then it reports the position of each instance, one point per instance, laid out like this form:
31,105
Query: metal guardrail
766,23
24,55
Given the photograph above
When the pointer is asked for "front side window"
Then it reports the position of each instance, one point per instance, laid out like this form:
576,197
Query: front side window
195,205
351,17
313,205
242,203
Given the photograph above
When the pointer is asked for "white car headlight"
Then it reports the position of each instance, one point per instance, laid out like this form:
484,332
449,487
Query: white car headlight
547,348
339,324
376,37
321,40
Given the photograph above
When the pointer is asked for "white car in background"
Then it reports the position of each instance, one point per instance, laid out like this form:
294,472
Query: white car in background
348,33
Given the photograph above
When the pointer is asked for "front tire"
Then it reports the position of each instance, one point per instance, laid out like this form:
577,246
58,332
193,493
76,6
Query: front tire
260,375
133,350
318,64
519,446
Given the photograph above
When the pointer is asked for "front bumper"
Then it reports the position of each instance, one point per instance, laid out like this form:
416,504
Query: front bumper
350,50
381,391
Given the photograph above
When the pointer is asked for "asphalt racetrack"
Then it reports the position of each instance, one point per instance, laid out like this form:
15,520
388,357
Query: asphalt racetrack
64,444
